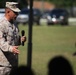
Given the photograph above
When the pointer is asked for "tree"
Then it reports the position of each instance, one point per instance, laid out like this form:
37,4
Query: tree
2,3
23,3
63,3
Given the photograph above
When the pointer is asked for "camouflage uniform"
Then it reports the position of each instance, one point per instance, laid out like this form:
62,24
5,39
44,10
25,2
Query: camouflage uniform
9,36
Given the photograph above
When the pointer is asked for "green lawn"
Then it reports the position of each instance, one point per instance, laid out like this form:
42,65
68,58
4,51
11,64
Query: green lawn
48,42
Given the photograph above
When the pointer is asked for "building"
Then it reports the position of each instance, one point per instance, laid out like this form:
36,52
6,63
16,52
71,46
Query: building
42,5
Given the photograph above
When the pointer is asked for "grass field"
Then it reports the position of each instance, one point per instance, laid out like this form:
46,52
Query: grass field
48,42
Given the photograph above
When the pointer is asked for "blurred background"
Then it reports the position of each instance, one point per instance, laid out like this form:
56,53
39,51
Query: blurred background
44,11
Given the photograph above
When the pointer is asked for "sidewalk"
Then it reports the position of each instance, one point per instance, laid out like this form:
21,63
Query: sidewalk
72,21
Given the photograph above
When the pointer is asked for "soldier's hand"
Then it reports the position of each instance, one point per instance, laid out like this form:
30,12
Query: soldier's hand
23,38
15,49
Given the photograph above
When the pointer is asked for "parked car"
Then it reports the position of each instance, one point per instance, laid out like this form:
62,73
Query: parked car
23,16
2,12
36,16
58,16
45,14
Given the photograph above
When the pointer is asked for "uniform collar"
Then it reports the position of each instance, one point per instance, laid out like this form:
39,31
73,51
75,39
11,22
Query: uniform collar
9,24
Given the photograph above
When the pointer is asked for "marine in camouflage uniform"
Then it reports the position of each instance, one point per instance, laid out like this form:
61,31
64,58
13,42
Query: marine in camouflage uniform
9,37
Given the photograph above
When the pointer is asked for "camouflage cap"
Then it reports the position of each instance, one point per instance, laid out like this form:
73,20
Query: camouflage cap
13,6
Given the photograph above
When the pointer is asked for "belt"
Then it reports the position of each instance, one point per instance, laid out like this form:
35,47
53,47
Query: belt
5,66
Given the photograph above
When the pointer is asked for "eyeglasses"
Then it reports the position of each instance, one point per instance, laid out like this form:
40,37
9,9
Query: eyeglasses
16,13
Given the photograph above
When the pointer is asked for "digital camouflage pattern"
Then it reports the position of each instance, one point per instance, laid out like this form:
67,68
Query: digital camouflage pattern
9,36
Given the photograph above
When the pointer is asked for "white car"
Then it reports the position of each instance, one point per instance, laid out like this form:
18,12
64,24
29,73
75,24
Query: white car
23,17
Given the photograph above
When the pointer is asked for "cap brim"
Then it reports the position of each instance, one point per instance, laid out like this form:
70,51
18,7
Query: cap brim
16,10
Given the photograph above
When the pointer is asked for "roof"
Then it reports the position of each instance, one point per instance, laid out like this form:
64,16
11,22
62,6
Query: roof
43,5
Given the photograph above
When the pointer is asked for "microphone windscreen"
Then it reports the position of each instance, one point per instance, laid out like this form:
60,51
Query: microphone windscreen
22,32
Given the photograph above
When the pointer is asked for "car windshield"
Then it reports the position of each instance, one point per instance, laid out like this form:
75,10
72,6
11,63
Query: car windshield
24,11
27,11
57,11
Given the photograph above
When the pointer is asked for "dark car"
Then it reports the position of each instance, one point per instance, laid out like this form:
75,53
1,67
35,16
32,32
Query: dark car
23,16
36,16
58,16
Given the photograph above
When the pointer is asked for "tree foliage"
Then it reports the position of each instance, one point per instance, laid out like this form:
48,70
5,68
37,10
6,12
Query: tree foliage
63,3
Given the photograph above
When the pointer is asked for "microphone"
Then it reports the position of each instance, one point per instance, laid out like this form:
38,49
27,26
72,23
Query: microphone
22,33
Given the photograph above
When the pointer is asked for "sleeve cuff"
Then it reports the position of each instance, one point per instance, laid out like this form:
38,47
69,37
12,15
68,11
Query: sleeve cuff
10,49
